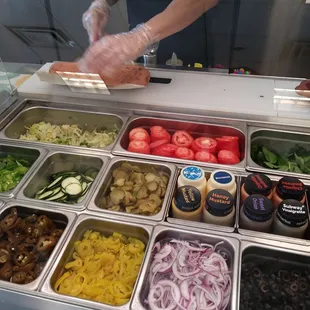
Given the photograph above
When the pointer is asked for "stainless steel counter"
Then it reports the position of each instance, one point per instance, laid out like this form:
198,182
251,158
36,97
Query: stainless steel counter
88,214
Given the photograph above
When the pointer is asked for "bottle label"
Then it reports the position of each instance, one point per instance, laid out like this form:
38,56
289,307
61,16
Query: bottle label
258,208
222,177
193,173
219,202
187,199
292,215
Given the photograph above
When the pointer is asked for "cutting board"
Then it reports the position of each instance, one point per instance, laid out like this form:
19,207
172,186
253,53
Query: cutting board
45,76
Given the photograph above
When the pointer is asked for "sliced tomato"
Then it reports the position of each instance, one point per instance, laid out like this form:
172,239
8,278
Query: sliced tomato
204,144
206,157
139,134
159,133
231,137
182,138
228,157
157,143
229,144
184,153
167,150
135,130
137,146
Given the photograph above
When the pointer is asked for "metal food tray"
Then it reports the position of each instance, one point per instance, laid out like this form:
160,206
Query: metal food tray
107,227
272,255
57,161
201,224
271,236
86,120
101,190
196,129
231,246
278,140
21,151
63,218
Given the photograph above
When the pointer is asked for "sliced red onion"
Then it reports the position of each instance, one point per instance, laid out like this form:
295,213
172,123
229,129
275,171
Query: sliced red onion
188,276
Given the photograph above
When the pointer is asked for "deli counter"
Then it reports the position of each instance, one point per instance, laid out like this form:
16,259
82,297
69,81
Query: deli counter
91,220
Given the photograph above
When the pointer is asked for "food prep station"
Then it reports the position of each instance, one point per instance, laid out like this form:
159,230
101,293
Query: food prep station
240,245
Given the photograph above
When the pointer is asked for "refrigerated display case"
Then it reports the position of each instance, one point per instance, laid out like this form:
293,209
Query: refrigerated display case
144,185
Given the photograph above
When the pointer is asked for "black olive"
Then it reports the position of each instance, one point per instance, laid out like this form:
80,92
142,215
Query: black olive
19,277
257,273
263,287
295,273
294,287
284,275
8,222
287,307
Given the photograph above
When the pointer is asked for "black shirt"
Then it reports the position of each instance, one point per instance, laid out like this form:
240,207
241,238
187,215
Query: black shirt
189,44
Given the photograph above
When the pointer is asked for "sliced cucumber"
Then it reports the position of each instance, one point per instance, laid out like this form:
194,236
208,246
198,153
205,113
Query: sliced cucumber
55,183
78,177
62,199
46,195
84,186
59,195
89,179
81,198
41,191
74,189
69,180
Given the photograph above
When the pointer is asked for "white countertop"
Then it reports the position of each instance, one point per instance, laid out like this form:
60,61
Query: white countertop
195,90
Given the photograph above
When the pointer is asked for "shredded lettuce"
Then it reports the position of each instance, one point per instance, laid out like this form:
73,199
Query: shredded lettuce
69,135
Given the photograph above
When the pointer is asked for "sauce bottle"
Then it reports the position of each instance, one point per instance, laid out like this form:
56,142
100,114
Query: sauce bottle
256,214
291,219
219,208
194,176
288,188
256,183
186,204
222,179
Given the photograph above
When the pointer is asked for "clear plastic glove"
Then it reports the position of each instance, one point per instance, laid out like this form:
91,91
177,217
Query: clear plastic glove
111,52
95,19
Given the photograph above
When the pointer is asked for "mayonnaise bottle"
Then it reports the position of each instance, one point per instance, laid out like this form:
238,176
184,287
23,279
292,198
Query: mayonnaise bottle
194,176
222,179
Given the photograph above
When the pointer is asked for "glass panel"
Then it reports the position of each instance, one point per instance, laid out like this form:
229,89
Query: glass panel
5,86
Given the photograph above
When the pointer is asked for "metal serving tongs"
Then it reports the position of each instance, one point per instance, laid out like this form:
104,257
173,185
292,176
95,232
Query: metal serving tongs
79,82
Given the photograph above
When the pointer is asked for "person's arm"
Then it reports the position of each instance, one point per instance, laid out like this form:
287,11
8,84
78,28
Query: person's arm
96,18
177,16
113,51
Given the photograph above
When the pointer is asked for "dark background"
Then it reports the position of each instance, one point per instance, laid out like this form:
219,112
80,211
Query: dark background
270,37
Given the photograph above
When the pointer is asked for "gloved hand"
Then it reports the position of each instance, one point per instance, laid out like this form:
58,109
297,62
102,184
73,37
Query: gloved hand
111,52
96,18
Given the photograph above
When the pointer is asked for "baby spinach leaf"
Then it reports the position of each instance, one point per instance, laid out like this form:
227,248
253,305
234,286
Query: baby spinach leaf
300,161
270,165
270,157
